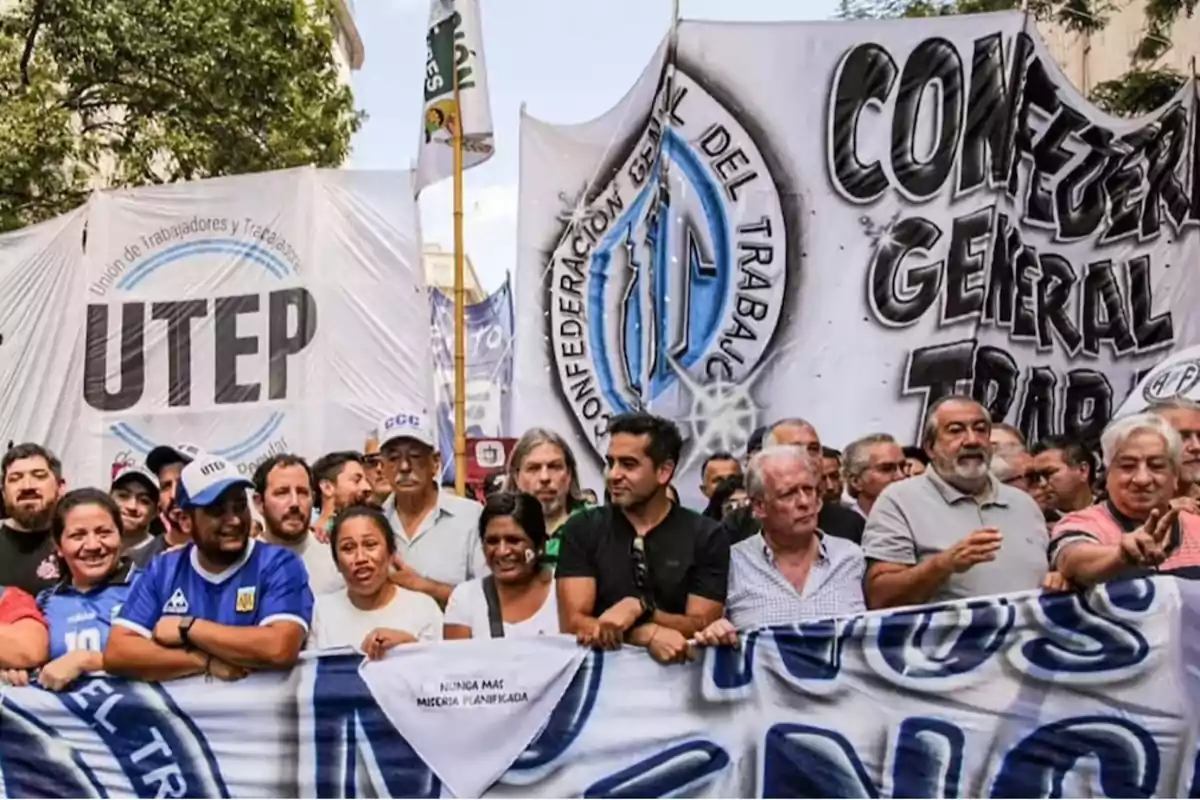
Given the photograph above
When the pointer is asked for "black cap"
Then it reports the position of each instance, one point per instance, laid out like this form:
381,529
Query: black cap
165,455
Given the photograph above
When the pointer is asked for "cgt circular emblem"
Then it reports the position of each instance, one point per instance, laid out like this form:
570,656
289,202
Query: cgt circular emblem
1177,380
667,284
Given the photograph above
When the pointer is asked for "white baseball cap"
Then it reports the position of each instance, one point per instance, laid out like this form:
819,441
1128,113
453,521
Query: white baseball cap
406,425
202,482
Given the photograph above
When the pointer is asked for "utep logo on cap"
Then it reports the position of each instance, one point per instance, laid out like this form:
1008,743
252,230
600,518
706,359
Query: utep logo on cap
214,467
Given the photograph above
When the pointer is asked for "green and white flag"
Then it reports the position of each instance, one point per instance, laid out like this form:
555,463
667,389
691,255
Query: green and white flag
454,41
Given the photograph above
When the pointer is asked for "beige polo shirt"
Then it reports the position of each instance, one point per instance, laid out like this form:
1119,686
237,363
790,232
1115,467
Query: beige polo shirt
446,547
917,518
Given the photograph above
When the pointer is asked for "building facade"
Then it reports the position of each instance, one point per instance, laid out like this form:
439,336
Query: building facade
439,274
1091,59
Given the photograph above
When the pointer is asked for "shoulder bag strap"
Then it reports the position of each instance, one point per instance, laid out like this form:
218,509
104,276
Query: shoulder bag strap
495,617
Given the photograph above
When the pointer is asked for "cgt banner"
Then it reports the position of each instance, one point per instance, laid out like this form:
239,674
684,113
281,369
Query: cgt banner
281,312
1016,696
845,222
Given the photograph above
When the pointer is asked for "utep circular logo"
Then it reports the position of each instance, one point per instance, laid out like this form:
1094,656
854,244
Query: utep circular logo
667,285
1173,382
142,325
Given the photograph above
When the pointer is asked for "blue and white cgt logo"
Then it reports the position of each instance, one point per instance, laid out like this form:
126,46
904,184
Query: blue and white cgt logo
204,321
668,282
1169,383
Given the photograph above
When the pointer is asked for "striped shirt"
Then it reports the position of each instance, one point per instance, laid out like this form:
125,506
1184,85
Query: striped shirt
1104,524
759,594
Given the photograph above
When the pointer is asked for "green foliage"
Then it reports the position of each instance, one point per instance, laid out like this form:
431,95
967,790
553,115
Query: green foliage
117,93
1140,90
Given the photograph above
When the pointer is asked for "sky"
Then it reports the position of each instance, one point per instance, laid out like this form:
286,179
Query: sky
568,60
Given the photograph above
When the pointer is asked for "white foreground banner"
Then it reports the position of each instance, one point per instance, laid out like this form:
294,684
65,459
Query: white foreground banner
281,312
1020,696
844,222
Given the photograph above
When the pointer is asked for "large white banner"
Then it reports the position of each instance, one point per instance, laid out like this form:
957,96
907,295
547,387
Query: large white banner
1021,696
281,312
844,222
41,285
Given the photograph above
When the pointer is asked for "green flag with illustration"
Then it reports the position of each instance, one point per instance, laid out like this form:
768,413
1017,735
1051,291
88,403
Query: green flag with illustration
453,42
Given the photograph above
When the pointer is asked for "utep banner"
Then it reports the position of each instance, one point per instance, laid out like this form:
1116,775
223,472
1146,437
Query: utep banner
489,354
280,312
1019,696
844,222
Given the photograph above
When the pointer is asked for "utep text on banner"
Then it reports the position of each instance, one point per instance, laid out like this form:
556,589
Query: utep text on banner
244,314
846,222
489,353
1021,696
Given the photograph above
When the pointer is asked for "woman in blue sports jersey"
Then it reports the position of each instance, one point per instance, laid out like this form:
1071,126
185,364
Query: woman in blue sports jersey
87,535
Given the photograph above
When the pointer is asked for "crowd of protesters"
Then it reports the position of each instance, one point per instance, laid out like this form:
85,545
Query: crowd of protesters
184,567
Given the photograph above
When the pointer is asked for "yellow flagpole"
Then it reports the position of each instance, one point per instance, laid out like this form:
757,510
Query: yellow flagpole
460,319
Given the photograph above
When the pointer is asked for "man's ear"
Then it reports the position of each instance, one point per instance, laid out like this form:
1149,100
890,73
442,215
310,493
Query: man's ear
258,502
62,488
665,472
182,521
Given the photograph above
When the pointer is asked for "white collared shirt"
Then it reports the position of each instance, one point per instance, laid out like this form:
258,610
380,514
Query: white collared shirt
446,546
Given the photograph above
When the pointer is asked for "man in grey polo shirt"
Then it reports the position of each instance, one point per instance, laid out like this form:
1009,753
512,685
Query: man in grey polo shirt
437,533
956,531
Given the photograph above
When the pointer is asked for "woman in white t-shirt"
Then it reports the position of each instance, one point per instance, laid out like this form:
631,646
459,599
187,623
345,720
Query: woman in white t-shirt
372,613
518,598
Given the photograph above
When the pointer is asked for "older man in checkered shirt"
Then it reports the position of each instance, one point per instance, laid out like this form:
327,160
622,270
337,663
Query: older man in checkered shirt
790,571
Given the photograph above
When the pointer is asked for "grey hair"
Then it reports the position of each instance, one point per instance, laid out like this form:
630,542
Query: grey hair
1001,464
755,477
930,429
539,436
1119,432
855,458
771,440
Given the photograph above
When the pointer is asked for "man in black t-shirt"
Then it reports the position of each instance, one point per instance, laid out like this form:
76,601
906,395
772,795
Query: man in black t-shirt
32,485
642,569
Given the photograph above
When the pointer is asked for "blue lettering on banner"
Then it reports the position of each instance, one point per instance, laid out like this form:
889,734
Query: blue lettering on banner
931,649
157,746
545,754
35,762
730,670
348,723
685,770
813,651
1082,638
810,761
1125,753
927,759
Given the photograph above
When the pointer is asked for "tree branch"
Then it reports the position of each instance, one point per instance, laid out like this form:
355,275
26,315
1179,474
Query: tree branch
35,22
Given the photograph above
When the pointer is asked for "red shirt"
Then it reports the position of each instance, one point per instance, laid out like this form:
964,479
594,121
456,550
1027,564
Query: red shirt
16,605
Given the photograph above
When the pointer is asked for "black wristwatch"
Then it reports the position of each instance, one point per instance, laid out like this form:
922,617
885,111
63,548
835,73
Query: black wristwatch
647,615
185,627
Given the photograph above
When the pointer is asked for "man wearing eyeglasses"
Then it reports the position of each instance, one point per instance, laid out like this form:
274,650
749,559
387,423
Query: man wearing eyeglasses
437,535
642,569
870,465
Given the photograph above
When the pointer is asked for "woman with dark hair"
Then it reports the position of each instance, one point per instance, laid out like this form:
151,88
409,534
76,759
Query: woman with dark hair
371,613
518,598
87,532
730,494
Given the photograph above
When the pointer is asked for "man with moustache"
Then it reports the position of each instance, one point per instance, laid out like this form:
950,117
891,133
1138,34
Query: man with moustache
437,533
956,531
225,604
284,498
1184,416
339,482
543,465
32,485
135,491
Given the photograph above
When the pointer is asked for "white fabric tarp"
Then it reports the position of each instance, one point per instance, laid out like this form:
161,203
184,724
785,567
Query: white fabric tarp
280,312
843,222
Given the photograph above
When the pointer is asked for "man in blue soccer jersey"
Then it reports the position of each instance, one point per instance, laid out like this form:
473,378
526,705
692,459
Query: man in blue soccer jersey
224,604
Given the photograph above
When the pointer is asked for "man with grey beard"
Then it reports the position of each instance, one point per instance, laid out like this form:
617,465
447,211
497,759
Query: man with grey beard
956,531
